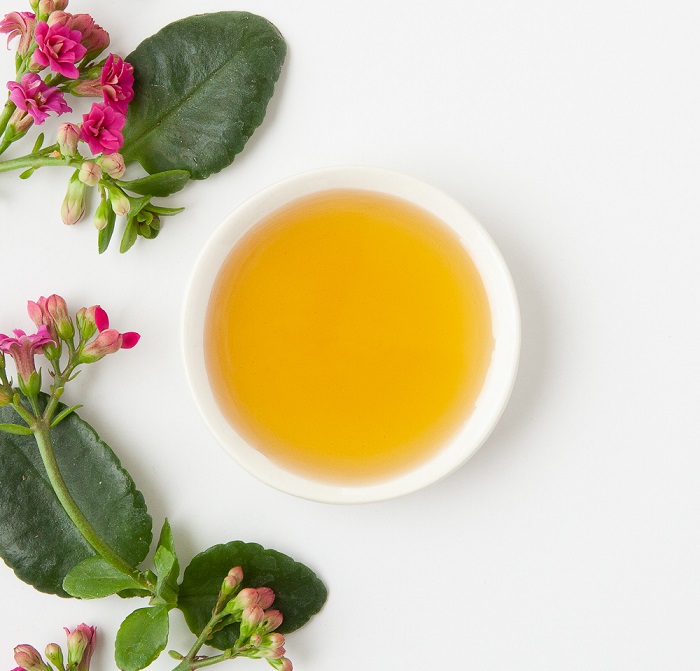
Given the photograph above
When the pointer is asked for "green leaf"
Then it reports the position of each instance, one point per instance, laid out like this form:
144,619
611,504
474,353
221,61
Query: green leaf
202,88
95,578
299,593
141,638
37,538
160,184
16,429
104,236
164,211
167,565
130,235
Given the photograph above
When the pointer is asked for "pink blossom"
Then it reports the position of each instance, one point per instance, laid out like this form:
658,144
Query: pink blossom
19,24
118,83
101,129
95,39
22,348
108,341
32,95
59,48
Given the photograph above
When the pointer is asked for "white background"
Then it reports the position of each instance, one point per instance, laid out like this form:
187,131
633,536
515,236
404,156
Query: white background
571,130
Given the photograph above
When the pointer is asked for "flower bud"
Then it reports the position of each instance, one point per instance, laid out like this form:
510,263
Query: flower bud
232,581
73,207
29,385
120,202
85,320
108,342
86,88
54,654
102,214
112,164
57,308
28,658
273,619
47,7
266,597
68,136
90,173
251,617
281,664
81,644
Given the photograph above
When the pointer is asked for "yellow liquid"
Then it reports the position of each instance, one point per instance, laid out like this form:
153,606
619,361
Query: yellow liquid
348,336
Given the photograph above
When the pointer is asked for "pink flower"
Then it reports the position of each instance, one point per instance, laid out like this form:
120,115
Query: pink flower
94,38
101,129
32,95
19,24
81,645
59,48
118,83
22,349
108,341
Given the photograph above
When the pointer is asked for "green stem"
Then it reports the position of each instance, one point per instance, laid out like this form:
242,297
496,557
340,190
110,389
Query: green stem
208,661
43,439
5,115
38,160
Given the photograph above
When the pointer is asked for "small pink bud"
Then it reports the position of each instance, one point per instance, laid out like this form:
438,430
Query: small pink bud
28,658
107,342
81,645
54,654
273,619
90,173
253,615
266,597
85,319
120,202
233,578
58,310
113,165
48,7
281,664
73,207
68,136
102,214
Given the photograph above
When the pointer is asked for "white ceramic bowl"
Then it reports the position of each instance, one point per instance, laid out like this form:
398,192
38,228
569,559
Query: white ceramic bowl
504,312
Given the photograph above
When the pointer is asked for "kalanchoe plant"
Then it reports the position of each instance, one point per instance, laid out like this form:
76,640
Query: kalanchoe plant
78,527
180,118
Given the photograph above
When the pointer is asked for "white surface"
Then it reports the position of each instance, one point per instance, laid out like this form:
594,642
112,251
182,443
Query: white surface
570,130
505,317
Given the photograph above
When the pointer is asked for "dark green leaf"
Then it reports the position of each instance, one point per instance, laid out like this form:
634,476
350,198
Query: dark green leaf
300,594
202,88
95,578
37,539
104,236
141,638
161,184
167,566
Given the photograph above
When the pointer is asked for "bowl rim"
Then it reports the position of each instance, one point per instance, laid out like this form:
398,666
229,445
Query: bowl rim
501,293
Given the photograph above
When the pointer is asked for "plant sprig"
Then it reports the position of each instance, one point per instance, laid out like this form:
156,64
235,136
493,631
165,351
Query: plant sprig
180,119
225,607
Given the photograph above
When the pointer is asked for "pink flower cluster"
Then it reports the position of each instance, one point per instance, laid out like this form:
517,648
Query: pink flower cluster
81,646
50,315
66,43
